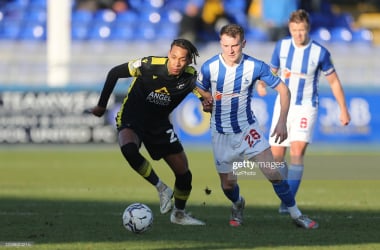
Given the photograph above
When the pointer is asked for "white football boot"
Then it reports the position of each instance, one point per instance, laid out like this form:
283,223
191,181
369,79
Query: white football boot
182,218
166,195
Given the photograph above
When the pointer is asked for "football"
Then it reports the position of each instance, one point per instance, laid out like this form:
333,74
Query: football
137,218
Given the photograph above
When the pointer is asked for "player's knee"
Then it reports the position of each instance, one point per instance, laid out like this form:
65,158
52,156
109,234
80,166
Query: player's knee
273,175
131,153
278,158
297,159
183,181
228,184
227,188
275,181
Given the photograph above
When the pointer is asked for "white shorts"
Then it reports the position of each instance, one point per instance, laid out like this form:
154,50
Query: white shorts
300,124
230,149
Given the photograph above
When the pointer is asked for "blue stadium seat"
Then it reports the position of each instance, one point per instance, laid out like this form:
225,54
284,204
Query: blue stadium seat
146,31
99,32
166,30
37,15
320,35
38,4
9,29
80,23
146,5
13,12
257,35
344,20
81,16
318,20
126,18
16,4
170,15
122,33
32,32
104,16
340,35
79,31
362,35
152,17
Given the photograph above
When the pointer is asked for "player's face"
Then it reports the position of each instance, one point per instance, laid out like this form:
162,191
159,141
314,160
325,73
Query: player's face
299,33
177,60
232,49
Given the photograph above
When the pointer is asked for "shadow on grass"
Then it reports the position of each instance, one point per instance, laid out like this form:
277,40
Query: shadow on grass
55,222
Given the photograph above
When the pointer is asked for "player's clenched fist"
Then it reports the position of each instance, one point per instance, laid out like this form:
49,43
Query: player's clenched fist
98,111
207,105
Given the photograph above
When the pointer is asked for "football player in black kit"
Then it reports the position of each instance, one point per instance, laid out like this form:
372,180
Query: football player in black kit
158,87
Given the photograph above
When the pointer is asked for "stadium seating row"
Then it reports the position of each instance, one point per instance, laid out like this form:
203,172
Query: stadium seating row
26,20
338,29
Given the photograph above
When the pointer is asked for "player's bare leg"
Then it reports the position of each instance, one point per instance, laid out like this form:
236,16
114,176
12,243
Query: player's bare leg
279,156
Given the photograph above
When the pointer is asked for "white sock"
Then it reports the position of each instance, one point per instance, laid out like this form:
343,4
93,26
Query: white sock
160,186
294,212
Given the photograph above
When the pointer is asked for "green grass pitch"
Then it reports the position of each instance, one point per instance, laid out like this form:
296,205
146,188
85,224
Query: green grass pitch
73,197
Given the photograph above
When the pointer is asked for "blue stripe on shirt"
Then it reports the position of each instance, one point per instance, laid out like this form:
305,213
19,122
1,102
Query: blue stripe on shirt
235,100
289,61
219,88
302,81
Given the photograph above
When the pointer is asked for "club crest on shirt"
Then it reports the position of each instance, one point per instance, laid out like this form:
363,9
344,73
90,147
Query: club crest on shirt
180,85
246,81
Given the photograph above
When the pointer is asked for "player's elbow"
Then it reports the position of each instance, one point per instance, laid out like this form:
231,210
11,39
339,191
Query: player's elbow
282,89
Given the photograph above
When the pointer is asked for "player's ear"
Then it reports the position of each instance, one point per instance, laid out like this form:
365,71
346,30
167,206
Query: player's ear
243,43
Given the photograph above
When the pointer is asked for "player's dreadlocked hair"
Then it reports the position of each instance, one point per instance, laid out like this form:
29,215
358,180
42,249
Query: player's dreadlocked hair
186,44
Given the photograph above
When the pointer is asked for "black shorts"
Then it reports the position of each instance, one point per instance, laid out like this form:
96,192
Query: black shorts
159,141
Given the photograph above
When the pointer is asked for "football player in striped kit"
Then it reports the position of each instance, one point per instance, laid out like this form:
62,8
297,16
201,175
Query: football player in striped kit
226,82
299,61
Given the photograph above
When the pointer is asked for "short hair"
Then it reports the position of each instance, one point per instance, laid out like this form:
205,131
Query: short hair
233,30
300,16
192,51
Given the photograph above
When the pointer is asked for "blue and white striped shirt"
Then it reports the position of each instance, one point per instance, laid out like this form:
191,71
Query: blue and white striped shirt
300,69
231,88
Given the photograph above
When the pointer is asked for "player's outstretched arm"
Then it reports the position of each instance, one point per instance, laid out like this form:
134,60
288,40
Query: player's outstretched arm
120,71
280,132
